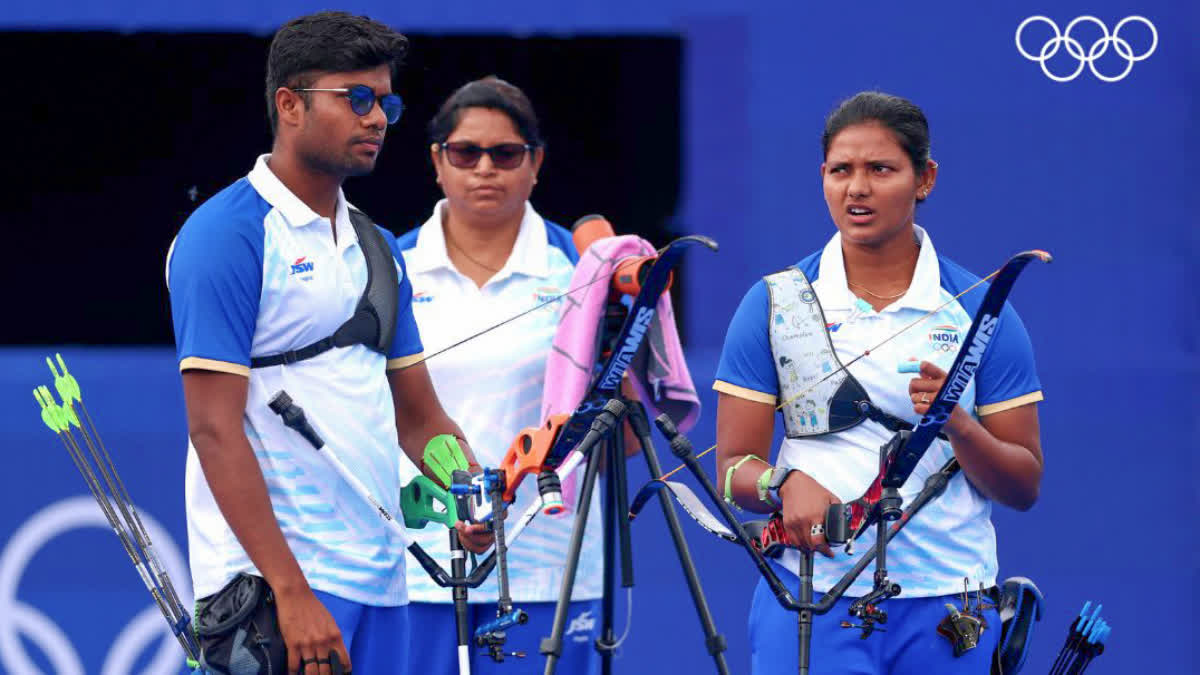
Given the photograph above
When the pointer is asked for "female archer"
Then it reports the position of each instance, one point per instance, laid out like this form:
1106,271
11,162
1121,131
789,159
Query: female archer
483,256
878,274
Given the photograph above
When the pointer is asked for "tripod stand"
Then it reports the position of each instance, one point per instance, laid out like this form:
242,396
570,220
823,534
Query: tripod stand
605,444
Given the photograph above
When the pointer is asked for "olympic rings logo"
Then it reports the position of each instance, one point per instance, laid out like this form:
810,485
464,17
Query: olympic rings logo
18,618
1098,48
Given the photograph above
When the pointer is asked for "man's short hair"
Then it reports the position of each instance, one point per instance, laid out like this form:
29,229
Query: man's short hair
328,42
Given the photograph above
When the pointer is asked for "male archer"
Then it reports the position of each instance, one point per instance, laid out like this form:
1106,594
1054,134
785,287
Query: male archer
261,277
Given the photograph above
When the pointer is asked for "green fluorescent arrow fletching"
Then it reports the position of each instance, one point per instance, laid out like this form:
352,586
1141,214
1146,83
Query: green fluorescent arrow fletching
67,386
61,423
70,415
63,411
48,415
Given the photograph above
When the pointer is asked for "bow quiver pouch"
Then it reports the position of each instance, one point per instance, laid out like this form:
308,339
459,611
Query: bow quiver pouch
238,630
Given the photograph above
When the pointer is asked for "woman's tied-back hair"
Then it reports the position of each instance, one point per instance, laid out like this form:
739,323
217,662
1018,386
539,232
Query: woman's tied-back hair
899,115
495,94
328,42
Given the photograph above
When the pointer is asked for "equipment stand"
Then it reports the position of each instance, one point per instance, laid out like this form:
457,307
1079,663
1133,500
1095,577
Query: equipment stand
615,509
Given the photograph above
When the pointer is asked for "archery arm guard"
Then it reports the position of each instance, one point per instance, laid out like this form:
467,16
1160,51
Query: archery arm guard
1020,608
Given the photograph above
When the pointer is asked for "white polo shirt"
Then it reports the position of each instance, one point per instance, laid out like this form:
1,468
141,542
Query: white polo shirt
952,537
492,386
255,272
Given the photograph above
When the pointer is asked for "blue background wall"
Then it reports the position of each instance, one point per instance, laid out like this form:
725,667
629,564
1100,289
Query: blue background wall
1098,173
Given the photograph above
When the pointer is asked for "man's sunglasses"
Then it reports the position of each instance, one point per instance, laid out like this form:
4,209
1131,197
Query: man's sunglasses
362,98
465,155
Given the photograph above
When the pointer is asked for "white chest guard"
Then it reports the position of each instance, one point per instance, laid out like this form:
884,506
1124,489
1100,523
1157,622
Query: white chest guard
821,396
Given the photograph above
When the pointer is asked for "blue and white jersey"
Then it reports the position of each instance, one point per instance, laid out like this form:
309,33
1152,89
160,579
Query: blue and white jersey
255,272
492,386
952,537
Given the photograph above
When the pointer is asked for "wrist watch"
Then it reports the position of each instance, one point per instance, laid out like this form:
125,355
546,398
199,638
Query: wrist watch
768,485
777,477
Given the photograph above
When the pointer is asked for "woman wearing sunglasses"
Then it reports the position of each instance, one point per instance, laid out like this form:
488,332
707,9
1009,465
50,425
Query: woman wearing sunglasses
483,256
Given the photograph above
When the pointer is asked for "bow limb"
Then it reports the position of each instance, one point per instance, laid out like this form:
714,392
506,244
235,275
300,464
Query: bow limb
899,457
1004,278
906,449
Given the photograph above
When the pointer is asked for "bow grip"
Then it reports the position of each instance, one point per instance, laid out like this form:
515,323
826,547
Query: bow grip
528,453
417,500
839,521
769,536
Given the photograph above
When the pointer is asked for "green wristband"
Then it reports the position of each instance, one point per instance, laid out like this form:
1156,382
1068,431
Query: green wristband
729,480
443,455
764,488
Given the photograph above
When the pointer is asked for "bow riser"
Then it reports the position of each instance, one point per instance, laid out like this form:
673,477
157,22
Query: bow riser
904,451
536,450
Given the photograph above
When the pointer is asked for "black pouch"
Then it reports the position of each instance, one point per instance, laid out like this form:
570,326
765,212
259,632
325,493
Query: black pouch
238,630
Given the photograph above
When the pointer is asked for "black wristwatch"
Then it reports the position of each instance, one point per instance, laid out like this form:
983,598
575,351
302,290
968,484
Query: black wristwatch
779,474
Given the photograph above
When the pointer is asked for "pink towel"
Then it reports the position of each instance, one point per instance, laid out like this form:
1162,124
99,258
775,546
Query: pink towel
660,374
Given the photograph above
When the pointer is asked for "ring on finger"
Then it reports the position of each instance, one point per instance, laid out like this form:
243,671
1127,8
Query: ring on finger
817,529
925,397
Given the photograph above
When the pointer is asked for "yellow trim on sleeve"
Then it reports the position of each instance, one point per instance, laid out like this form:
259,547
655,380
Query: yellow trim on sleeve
405,361
196,363
1011,403
742,392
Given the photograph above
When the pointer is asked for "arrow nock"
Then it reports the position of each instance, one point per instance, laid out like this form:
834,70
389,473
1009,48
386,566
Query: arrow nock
65,383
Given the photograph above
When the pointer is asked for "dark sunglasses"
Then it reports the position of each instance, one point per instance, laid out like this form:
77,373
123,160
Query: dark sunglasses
465,155
362,99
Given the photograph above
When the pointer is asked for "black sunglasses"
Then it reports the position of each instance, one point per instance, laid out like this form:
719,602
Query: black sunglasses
465,155
362,98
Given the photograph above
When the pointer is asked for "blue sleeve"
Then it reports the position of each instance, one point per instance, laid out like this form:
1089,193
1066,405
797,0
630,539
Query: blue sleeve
214,275
1007,371
746,357
560,238
407,339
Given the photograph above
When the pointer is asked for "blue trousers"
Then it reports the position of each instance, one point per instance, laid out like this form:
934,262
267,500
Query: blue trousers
911,644
435,650
376,637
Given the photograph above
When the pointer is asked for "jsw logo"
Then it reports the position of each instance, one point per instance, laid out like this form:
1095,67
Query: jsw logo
301,266
584,623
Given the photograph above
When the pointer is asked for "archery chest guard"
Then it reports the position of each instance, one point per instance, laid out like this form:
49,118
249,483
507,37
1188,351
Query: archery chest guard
374,320
816,402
